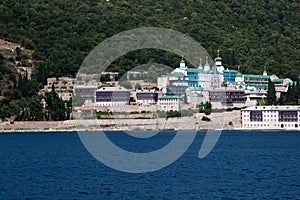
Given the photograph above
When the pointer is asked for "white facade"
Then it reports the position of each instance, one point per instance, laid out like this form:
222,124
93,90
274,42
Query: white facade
204,80
194,96
167,103
271,117
162,83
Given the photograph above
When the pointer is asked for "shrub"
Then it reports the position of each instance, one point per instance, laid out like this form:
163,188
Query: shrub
204,118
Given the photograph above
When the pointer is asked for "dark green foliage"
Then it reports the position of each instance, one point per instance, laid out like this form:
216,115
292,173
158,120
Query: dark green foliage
137,86
205,108
250,33
175,113
205,118
62,33
105,77
271,95
126,84
77,100
292,96
56,107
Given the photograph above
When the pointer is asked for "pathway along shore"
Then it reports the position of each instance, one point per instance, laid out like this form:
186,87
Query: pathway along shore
225,121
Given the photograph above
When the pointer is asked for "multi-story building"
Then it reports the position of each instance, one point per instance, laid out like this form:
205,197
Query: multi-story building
88,92
112,96
194,96
258,81
146,97
176,89
223,97
256,95
193,76
167,103
229,76
271,117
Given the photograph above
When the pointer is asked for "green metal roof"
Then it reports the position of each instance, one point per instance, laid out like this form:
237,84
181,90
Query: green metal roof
196,88
218,58
239,74
230,70
255,76
169,97
214,70
177,74
278,80
290,83
192,70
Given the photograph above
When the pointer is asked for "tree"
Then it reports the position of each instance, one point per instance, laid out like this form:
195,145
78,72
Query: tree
126,84
271,95
77,100
137,86
56,107
35,108
104,78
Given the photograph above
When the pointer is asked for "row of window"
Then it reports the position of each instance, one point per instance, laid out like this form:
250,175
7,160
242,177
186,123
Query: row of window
166,103
275,125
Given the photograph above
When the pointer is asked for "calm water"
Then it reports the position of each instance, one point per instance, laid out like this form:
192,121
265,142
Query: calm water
243,165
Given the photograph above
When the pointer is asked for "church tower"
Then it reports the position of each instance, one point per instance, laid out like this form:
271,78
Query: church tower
200,65
206,66
265,72
182,64
239,77
215,78
218,59
218,62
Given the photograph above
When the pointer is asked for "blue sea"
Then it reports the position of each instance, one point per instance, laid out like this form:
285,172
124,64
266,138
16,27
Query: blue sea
242,165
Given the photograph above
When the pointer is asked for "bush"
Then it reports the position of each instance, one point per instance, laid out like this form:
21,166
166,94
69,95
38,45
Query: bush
207,111
229,109
204,118
187,113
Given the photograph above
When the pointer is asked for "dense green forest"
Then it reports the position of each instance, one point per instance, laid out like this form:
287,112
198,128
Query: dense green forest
60,34
249,33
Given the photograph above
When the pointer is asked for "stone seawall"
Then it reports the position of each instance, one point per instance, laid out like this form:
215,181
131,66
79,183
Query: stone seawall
226,120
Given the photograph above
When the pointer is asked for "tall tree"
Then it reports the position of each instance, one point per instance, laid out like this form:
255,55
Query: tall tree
271,95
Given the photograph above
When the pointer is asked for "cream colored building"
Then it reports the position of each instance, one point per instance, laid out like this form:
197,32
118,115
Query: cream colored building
167,103
271,117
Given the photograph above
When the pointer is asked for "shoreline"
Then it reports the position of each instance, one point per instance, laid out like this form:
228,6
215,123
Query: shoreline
66,131
219,121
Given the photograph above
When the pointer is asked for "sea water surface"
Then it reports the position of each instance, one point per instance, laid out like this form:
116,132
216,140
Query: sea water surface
242,165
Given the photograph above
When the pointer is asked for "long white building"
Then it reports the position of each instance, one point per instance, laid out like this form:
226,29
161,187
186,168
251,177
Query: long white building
271,117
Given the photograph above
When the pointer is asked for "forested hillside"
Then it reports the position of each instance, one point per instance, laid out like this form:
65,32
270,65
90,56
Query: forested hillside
250,33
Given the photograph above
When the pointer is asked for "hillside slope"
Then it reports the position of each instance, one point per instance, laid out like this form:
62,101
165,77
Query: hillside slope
249,33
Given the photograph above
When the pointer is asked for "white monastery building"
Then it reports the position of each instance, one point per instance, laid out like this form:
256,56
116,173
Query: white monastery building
271,117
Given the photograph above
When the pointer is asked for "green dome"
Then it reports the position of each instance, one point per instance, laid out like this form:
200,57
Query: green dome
218,58
238,74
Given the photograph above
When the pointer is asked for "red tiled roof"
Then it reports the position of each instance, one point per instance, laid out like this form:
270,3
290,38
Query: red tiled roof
86,108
